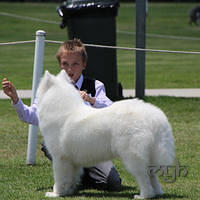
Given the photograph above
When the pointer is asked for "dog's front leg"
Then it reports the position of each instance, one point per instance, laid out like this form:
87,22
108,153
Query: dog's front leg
65,177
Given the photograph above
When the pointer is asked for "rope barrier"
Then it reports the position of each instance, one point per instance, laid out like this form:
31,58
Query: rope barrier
110,47
131,49
139,49
18,42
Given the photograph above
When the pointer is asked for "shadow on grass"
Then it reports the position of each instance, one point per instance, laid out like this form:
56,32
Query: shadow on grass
171,196
45,189
126,192
98,193
126,195
106,194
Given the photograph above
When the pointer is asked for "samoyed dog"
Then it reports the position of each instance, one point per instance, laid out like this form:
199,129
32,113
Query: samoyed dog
78,136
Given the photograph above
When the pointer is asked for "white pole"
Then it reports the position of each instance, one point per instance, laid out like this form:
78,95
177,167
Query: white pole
37,73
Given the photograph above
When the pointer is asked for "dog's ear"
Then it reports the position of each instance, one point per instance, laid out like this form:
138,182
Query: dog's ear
46,82
63,76
49,79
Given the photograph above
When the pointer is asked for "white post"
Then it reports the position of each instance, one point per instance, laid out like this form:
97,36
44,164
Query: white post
37,73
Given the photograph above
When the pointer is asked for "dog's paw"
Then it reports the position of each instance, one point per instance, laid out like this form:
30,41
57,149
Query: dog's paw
142,197
51,194
138,197
159,193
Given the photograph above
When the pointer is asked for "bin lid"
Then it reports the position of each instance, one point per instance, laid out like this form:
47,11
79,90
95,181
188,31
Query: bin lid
87,4
88,8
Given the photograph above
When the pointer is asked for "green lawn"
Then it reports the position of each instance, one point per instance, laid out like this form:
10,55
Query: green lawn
162,70
18,181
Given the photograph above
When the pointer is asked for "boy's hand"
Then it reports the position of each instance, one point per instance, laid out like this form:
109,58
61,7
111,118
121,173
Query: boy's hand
88,98
10,90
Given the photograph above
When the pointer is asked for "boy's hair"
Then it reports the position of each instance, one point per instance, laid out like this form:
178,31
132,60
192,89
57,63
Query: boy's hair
72,46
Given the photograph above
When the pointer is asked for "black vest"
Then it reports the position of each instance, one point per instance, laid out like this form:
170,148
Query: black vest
89,85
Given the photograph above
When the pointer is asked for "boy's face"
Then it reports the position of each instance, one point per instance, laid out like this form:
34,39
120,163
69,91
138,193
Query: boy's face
73,65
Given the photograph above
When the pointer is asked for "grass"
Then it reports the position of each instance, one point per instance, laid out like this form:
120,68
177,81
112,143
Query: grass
162,70
17,181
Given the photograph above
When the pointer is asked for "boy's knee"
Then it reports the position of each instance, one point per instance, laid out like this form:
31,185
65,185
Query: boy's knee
114,185
114,181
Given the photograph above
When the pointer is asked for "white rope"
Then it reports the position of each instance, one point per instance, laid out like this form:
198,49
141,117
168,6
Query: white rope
139,49
52,41
18,42
132,49
110,47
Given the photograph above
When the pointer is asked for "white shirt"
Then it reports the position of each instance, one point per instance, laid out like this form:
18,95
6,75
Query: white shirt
28,114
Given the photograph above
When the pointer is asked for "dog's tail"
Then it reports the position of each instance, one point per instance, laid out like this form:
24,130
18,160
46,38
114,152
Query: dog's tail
163,151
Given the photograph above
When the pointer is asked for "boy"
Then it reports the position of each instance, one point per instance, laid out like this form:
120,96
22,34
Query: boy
72,57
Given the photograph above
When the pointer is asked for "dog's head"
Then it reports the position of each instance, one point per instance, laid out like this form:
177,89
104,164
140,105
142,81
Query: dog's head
45,83
64,77
60,86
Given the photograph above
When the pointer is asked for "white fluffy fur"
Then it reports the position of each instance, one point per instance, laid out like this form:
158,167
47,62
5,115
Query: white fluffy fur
77,135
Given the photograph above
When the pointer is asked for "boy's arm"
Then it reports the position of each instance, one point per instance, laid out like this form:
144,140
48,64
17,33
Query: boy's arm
10,90
87,98
25,113
101,99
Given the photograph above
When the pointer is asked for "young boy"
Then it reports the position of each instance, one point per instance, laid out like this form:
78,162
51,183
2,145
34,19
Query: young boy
72,57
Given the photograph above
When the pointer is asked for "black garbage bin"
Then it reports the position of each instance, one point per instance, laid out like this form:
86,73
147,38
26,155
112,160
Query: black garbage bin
94,22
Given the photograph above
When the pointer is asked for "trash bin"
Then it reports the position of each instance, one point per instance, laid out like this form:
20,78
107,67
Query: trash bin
94,22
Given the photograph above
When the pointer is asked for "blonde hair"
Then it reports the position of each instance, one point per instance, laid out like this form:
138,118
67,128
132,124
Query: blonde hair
72,46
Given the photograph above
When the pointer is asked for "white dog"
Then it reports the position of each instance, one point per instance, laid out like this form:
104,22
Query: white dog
79,136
